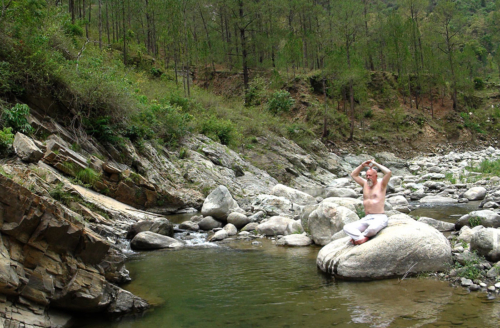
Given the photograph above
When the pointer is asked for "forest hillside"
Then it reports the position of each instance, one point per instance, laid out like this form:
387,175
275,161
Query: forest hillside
407,74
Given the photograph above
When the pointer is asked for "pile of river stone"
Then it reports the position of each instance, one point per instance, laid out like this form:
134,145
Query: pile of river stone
406,246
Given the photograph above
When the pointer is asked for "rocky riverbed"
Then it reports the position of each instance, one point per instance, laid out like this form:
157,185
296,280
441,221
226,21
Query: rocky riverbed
67,212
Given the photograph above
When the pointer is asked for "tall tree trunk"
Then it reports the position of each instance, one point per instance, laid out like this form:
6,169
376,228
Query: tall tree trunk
100,26
124,36
86,24
107,22
243,48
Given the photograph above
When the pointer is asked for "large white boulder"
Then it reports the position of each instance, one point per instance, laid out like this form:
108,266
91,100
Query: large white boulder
404,246
437,224
328,219
475,193
219,204
294,195
275,205
26,149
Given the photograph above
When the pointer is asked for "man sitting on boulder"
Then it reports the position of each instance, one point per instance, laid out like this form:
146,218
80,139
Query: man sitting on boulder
373,200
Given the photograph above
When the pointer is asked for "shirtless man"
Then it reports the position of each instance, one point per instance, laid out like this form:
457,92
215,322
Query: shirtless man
373,201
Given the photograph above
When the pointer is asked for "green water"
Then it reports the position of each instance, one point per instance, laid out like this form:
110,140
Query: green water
240,285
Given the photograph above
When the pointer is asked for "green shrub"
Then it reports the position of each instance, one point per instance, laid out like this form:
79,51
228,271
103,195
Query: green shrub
478,83
16,118
219,130
474,221
88,176
255,94
470,269
101,129
280,102
368,113
6,140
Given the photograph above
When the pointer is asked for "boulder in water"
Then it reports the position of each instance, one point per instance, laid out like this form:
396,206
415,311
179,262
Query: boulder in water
160,226
274,226
148,240
295,240
486,218
405,246
219,204
475,193
209,223
485,242
328,219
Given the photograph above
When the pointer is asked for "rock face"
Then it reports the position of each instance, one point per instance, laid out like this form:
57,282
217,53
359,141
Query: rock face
328,219
219,204
294,195
485,242
49,257
26,149
148,240
404,246
342,192
486,218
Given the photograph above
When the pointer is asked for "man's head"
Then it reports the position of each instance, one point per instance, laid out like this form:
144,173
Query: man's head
371,177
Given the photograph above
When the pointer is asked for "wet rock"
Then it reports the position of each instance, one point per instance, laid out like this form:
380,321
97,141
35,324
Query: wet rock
239,220
475,193
294,240
189,225
294,227
276,225
393,251
26,149
219,204
464,282
328,219
485,242
251,227
160,226
209,223
438,224
125,302
230,229
219,235
437,200
486,218
148,240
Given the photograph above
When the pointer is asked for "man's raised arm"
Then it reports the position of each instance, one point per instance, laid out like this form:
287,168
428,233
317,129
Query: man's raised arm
385,170
355,173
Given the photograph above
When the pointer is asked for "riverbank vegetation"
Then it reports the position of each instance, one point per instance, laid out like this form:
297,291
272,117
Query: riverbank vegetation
237,70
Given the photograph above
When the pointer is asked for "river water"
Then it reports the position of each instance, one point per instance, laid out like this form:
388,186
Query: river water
243,285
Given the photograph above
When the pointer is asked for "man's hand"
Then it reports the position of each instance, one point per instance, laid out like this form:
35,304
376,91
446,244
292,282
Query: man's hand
369,163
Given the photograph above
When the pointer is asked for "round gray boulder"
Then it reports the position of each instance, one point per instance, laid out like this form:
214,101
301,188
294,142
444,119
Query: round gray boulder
295,240
328,219
399,203
160,226
486,218
276,225
209,223
294,195
239,220
219,204
231,229
404,246
475,193
148,240
485,242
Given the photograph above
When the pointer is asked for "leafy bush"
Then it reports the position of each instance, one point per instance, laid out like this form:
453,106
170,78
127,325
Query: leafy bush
219,130
470,269
101,129
88,176
16,118
255,94
474,221
368,113
478,83
6,140
280,102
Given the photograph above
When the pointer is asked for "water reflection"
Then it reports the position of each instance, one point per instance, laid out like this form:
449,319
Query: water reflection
448,213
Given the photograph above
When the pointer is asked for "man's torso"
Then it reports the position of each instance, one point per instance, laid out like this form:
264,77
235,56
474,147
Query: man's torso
374,198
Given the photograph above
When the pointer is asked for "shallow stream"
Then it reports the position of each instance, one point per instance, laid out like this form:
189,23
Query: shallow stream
243,285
